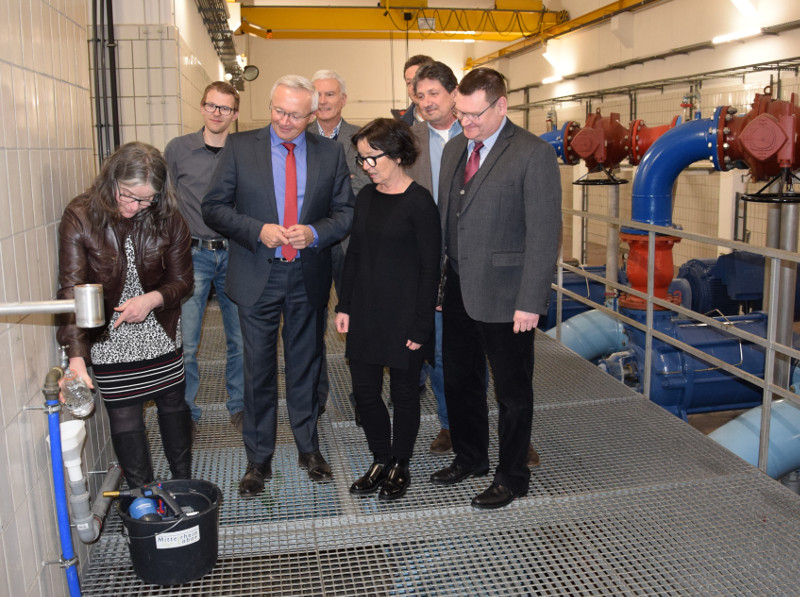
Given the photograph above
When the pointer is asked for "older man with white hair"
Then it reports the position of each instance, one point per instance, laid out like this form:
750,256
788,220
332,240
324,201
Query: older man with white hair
282,197
332,91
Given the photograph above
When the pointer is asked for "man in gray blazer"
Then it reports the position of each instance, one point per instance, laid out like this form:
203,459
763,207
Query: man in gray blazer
282,197
500,200
332,91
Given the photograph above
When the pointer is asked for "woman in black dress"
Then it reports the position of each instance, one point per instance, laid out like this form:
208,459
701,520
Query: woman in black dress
389,291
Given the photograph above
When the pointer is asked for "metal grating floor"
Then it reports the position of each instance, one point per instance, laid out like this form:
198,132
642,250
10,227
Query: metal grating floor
629,500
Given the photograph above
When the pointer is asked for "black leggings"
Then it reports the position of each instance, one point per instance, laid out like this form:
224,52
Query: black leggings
404,385
128,419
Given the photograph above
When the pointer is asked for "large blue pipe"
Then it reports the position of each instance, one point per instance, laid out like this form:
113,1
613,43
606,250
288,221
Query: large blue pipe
592,334
669,155
741,436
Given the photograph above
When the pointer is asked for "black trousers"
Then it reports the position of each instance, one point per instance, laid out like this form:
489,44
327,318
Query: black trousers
284,297
404,387
466,343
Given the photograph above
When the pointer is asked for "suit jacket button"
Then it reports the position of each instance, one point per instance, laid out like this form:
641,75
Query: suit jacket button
269,260
461,192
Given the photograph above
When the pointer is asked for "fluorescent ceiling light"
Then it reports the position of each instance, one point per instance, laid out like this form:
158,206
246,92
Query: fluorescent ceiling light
745,7
553,79
722,39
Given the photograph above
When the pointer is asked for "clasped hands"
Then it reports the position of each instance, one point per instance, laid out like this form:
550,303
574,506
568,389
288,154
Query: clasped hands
298,236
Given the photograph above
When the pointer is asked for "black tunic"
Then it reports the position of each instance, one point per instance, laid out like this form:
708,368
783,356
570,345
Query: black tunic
391,276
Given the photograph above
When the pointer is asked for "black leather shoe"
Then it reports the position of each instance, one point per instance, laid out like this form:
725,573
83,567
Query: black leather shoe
372,480
397,481
314,463
253,481
456,473
496,496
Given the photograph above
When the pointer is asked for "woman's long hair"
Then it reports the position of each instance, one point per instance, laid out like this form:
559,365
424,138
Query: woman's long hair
132,164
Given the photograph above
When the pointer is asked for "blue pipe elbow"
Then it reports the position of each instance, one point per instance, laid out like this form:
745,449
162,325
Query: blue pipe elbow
592,334
556,139
741,436
669,155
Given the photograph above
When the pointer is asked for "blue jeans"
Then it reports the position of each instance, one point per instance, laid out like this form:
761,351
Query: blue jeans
210,267
437,374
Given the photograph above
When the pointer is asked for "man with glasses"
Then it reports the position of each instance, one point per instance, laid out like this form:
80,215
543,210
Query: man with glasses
332,91
500,200
192,158
283,197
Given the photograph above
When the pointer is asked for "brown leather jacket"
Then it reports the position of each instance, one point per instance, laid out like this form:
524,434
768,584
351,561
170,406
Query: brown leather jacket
164,263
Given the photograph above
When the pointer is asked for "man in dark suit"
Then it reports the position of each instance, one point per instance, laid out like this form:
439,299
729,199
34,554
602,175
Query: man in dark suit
283,198
500,198
332,91
411,114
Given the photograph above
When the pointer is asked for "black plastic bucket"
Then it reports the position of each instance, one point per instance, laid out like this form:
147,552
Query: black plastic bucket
176,549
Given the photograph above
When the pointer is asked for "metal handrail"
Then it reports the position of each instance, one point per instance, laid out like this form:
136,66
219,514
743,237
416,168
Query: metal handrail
770,345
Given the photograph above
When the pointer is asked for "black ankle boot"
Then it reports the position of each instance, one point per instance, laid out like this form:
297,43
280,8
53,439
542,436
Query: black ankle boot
133,455
397,481
371,480
176,438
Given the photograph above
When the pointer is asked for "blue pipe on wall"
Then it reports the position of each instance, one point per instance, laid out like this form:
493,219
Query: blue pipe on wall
664,161
741,436
592,334
57,461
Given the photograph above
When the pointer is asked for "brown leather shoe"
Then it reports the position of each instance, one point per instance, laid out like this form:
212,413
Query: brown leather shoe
318,469
237,420
442,444
252,482
533,457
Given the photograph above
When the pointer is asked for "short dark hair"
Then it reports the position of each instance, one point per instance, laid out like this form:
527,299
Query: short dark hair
487,79
391,136
437,71
417,60
224,88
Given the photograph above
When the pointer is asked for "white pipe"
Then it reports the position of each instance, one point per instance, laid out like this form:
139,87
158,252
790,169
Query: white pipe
592,334
73,434
88,521
741,436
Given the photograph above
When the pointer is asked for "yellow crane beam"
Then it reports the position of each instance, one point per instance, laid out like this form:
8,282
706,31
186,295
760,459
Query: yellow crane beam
563,27
381,22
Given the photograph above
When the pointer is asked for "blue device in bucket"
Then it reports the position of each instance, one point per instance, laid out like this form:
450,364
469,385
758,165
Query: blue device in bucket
180,545
142,507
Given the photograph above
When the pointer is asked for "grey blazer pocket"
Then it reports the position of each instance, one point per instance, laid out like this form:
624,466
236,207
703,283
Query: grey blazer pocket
507,259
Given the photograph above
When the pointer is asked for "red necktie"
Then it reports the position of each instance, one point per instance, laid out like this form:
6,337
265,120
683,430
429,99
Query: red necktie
290,202
474,162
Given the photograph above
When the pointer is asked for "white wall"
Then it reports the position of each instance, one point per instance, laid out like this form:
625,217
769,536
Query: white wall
46,158
166,59
373,71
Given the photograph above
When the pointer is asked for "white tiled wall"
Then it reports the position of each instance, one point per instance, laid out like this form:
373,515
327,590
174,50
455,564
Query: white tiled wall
45,160
161,83
148,65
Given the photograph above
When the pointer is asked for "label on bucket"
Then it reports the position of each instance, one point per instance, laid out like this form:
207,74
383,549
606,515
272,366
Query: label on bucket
178,538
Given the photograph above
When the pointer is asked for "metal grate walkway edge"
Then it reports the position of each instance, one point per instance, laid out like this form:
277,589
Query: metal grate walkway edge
628,500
